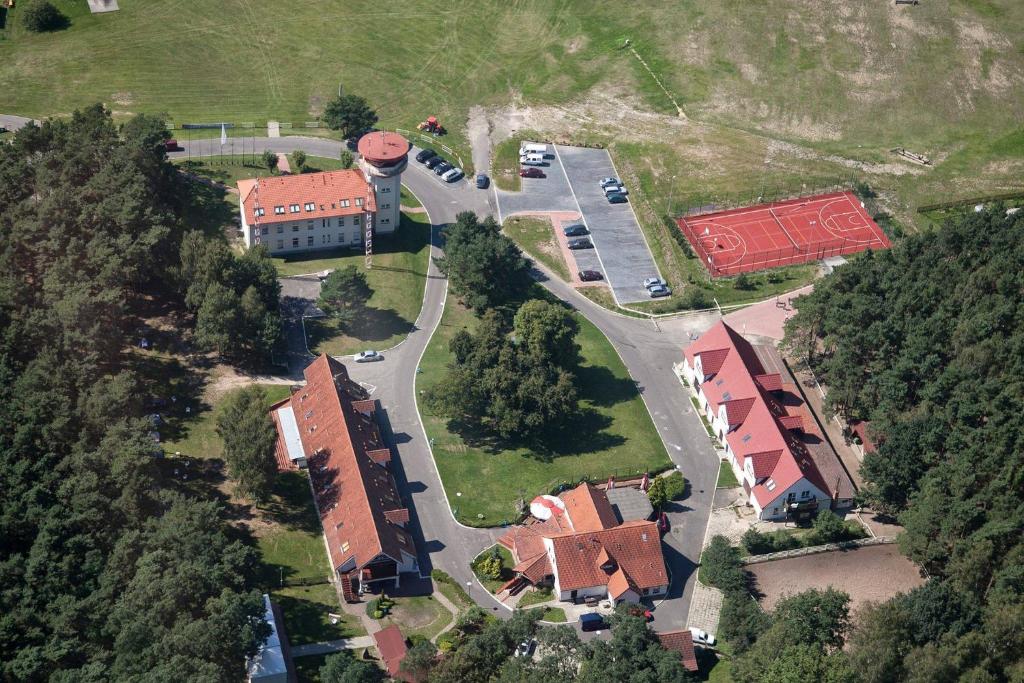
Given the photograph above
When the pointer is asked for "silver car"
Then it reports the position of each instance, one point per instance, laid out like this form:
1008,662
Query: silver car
368,357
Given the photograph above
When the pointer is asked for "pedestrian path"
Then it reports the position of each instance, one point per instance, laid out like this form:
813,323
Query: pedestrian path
330,646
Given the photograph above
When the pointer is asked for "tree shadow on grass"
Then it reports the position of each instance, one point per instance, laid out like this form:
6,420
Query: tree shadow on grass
292,505
602,388
205,209
370,324
306,620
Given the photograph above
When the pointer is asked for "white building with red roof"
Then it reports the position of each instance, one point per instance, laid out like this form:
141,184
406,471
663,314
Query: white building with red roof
757,425
583,551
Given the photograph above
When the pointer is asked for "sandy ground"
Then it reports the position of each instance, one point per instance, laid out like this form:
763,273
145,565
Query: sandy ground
875,573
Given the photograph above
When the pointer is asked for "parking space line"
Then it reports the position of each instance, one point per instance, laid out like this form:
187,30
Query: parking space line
635,218
583,219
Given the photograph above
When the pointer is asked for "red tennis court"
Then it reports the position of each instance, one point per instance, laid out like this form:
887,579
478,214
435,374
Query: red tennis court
782,233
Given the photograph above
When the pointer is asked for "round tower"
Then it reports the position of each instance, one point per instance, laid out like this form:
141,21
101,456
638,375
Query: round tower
382,157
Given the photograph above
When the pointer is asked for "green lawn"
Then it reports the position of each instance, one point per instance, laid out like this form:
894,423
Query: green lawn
726,477
195,435
536,596
505,165
536,237
409,200
494,585
554,614
398,277
307,611
614,436
418,615
292,544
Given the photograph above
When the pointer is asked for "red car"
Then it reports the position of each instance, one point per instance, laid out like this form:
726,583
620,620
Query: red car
532,172
663,525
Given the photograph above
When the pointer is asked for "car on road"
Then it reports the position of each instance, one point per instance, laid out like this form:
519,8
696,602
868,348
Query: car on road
581,243
425,154
452,175
617,198
443,168
368,356
615,189
532,172
433,161
590,275
654,282
575,230
659,290
591,621
605,182
702,637
482,181
525,648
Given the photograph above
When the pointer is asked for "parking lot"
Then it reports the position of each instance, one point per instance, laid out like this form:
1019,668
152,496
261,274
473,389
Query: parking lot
572,184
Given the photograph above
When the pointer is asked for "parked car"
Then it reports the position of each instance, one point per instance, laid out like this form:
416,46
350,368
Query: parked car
659,290
443,168
663,523
581,243
605,182
532,172
433,161
171,145
575,230
590,275
617,198
615,189
533,160
702,637
654,282
591,621
482,181
368,357
452,175
525,648
425,154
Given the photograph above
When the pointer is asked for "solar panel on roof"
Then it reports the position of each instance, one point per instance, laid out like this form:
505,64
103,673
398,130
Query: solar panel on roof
726,396
746,438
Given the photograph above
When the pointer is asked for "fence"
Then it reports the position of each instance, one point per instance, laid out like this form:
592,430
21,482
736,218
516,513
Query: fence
1019,194
695,205
815,549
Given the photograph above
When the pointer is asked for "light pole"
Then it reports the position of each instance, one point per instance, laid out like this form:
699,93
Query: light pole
671,191
469,588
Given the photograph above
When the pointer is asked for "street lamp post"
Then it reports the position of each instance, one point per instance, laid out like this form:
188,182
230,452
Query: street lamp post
469,589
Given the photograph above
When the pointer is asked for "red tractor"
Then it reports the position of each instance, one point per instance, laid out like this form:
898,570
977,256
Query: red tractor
432,126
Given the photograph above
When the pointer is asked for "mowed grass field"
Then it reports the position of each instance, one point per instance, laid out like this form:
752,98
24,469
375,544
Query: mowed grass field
615,436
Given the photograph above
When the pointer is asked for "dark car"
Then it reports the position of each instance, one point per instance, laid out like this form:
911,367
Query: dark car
482,181
590,275
663,523
591,621
659,290
443,168
434,161
532,172
575,230
617,198
425,154
581,243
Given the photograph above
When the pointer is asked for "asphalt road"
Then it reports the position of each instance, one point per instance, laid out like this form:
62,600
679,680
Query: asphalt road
648,350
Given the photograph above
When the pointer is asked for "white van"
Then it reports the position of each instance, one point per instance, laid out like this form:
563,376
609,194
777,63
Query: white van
532,160
530,148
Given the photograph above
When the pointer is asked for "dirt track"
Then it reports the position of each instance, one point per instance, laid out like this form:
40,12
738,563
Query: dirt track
874,573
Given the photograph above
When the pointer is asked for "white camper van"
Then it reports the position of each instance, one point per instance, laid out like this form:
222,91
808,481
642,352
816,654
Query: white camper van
532,159
530,148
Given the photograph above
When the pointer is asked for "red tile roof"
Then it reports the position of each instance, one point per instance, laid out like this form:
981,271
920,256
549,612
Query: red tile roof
741,375
527,540
325,191
770,382
588,508
534,568
353,493
736,410
792,422
634,546
391,646
681,642
862,429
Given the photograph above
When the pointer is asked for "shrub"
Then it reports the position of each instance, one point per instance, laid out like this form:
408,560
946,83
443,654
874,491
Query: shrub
299,159
379,607
490,567
675,485
346,158
377,614
828,528
720,566
448,641
41,16
743,282
697,298
756,543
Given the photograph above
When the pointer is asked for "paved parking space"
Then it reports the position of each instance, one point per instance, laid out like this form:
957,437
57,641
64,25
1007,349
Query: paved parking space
539,195
619,243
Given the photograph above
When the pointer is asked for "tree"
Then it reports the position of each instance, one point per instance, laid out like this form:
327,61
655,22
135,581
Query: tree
346,158
349,114
657,494
270,160
345,668
299,160
720,565
799,663
40,16
675,485
547,331
218,320
815,617
344,293
419,660
828,528
249,441
742,621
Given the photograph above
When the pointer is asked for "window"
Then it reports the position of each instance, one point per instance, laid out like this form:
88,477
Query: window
295,227
344,547
385,221
326,223
647,591
341,238
770,484
325,239
294,208
264,230
359,201
280,229
341,222
309,206
385,206
310,225
279,209
260,211
355,220
309,241
280,244
295,241
805,494
344,203
385,189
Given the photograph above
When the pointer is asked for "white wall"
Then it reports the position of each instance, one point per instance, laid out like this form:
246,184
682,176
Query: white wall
777,508
327,233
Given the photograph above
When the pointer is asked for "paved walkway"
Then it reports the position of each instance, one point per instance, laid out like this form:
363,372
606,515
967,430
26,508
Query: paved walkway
356,643
283,165
705,608
767,318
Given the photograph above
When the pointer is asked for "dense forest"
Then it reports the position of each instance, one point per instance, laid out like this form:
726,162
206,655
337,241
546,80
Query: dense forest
926,341
107,570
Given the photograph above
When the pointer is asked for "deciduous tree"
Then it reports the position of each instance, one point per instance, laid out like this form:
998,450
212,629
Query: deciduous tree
349,114
249,440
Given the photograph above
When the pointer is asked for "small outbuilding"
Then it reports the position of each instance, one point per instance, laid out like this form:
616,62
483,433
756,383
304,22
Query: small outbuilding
270,663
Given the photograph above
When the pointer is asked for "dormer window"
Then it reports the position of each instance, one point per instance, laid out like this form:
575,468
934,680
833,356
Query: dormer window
344,203
309,206
359,201
279,210
770,484
294,208
259,211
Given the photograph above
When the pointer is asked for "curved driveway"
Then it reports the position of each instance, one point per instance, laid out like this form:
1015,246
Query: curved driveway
647,348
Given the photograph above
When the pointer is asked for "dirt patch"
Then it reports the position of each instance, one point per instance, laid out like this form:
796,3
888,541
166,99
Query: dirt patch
478,129
576,44
874,573
122,98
